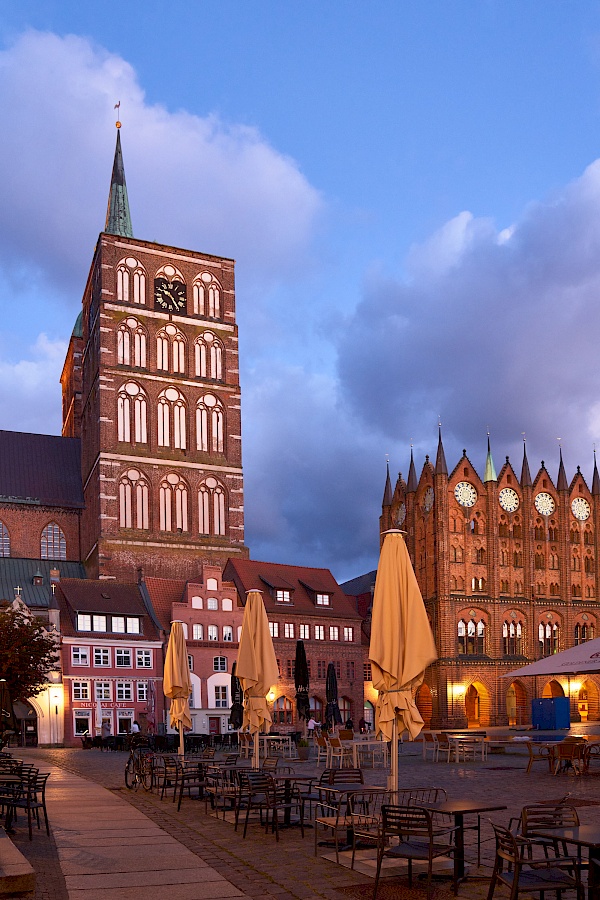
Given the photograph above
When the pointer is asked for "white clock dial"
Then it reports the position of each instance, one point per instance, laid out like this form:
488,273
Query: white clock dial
544,504
401,514
465,493
428,499
508,499
580,508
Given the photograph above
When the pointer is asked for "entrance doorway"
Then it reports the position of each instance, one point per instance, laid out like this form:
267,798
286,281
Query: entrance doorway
214,725
27,718
477,705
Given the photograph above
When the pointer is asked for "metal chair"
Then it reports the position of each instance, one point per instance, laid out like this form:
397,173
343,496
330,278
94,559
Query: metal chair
263,795
430,745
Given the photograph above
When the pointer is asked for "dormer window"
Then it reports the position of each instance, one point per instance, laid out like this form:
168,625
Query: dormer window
283,596
38,578
323,599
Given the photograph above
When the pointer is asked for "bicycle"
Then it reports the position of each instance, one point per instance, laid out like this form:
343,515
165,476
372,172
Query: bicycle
139,767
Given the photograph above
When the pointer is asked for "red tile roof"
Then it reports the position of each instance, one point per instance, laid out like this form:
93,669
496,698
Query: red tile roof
163,592
249,574
104,598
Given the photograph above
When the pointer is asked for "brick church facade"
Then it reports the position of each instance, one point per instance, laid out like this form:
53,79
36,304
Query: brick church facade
508,566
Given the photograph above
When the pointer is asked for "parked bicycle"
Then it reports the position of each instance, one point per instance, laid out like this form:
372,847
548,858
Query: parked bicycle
139,766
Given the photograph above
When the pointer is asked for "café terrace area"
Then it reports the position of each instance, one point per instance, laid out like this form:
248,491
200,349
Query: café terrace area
110,842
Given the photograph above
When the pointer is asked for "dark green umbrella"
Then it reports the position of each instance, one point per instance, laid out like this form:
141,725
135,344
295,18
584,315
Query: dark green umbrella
333,715
236,713
301,682
8,721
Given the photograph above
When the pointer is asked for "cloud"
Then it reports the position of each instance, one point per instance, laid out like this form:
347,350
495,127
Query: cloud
28,396
193,182
490,329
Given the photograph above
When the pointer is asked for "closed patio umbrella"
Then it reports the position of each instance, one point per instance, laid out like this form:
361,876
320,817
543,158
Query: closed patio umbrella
177,685
236,713
256,668
333,715
8,721
98,717
402,645
301,682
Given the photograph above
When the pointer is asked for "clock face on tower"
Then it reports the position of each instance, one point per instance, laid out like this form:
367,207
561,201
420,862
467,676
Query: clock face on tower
465,493
170,296
508,499
580,508
544,504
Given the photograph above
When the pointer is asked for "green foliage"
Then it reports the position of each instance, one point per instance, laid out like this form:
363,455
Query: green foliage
302,743
27,654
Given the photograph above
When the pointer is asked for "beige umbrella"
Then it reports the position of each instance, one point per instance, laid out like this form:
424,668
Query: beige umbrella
256,668
177,685
402,645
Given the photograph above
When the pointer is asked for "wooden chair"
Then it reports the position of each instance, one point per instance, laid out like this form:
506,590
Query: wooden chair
521,874
569,756
430,744
338,752
538,754
322,751
345,734
408,832
444,746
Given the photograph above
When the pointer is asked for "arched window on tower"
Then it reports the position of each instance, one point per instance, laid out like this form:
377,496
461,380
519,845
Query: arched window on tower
131,344
588,565
131,281
170,350
575,537
210,426
4,540
480,555
540,562
576,562
133,500
456,553
173,495
512,633
171,419
132,410
209,357
471,637
207,296
53,544
588,537
548,638
211,507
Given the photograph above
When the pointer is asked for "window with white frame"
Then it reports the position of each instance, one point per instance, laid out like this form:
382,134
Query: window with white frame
134,500
123,658
227,604
209,356
101,656
102,690
207,296
197,603
133,625
274,629
221,701
131,281
190,662
319,632
84,622
220,664
53,544
81,721
143,659
348,633
118,624
132,414
170,350
171,419
323,599
80,656
227,633
142,691
212,603
304,632
131,344
210,424
99,623
283,596
124,690
211,507
288,630
197,632
213,633
173,497
4,540
334,633
81,690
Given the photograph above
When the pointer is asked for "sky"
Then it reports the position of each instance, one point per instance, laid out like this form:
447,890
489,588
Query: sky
411,192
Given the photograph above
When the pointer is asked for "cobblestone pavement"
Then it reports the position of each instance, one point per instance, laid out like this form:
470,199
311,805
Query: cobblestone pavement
260,867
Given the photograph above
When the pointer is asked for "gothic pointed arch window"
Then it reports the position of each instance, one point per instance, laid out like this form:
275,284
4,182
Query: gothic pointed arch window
173,497
211,507
588,564
131,281
53,543
210,424
171,419
207,294
588,537
575,537
170,350
134,509
471,637
131,343
132,413
4,540
548,638
209,356
512,635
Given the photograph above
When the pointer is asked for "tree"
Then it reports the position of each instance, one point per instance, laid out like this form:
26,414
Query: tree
27,653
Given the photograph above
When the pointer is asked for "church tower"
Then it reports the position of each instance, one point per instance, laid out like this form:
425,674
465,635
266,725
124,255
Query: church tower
160,405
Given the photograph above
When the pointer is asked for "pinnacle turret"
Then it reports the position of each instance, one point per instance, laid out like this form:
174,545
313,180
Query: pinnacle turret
490,471
595,479
561,484
525,473
118,218
440,461
387,493
411,486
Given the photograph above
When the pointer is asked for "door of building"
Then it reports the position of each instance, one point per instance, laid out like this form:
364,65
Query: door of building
214,725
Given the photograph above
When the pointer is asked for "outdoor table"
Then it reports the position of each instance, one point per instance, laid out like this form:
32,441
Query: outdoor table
288,780
459,809
478,742
283,739
345,794
581,836
356,746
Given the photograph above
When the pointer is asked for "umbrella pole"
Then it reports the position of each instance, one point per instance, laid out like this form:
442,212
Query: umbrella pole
393,779
256,752
181,742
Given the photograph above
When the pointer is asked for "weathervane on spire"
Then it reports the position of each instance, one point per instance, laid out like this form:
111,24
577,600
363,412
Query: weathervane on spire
118,106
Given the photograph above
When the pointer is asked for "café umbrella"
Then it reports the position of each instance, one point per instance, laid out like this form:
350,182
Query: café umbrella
256,668
580,660
333,715
236,713
8,721
301,682
177,685
401,648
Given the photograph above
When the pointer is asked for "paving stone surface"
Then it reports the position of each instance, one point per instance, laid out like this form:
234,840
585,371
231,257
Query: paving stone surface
257,866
